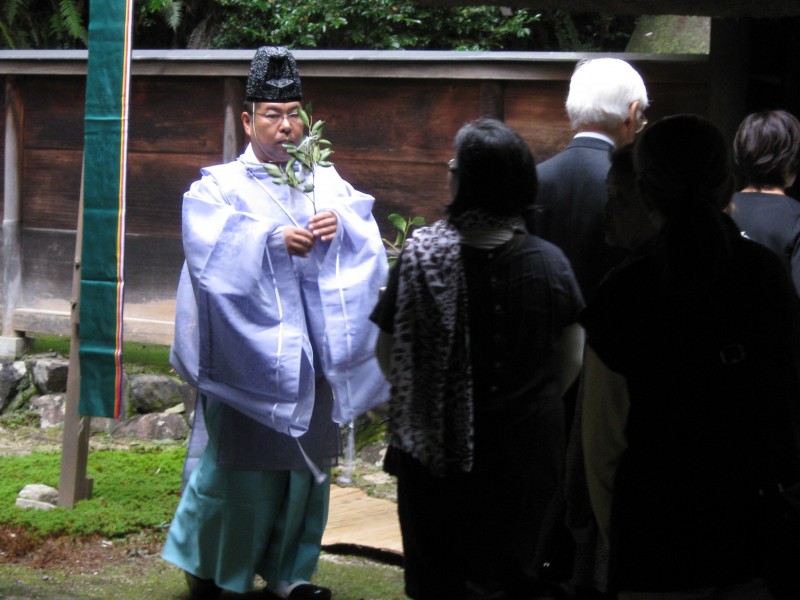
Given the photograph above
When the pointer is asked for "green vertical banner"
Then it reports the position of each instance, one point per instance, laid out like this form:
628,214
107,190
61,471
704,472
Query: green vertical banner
104,164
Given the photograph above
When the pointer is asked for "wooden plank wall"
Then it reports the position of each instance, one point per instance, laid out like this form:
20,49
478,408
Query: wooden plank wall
392,126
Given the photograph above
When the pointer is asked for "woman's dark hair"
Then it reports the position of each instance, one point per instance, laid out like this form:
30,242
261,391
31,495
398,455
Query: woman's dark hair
766,149
495,169
683,172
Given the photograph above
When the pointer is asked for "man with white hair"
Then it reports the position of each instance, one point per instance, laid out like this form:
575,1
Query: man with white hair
606,103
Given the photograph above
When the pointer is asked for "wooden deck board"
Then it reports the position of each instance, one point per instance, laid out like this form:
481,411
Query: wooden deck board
357,519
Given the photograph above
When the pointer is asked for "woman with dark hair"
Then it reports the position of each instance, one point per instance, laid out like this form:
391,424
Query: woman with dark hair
479,340
691,383
766,153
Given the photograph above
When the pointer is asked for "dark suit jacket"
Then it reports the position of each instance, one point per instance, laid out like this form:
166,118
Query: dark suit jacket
569,209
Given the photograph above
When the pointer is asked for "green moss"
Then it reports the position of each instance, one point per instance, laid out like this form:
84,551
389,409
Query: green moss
134,490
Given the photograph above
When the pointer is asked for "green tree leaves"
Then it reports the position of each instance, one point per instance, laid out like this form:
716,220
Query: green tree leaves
322,24
312,152
403,227
43,24
371,24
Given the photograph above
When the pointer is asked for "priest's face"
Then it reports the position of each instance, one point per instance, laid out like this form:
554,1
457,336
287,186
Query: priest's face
269,126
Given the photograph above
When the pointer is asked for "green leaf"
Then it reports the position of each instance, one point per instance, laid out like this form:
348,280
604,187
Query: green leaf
304,116
273,170
417,221
398,221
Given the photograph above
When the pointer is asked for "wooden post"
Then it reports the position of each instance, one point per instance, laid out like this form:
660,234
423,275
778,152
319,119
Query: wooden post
74,485
232,133
492,100
12,344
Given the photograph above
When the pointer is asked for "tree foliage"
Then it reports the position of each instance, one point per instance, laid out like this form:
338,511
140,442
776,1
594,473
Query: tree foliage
43,23
324,24
371,24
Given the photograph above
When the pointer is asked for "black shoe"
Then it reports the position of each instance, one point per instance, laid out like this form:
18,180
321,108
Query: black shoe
309,591
202,589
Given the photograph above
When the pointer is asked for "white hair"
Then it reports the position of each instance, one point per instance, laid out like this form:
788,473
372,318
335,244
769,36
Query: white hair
602,90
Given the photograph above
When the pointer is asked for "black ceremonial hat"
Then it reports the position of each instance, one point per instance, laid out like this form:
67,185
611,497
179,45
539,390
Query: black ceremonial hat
273,76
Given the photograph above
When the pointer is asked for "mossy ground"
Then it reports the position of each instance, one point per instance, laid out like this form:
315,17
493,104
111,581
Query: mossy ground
108,547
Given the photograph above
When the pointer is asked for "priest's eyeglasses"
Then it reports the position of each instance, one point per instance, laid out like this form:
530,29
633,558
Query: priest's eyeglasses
275,118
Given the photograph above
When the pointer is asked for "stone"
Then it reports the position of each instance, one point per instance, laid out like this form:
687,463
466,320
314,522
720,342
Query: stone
51,409
38,492
49,374
38,505
178,409
13,347
153,393
12,376
166,402
153,426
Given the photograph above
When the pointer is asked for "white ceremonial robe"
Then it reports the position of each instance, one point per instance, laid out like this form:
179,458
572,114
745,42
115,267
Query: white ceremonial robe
249,316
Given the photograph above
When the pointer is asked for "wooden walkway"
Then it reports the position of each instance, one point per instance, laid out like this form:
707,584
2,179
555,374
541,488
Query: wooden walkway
363,525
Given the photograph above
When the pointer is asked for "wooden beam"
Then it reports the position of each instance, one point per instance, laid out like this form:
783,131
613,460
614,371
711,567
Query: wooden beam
335,64
12,201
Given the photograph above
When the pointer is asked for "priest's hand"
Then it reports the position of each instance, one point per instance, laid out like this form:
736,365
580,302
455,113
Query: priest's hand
298,241
323,225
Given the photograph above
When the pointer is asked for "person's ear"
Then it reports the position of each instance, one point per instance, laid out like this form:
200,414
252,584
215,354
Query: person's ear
247,122
630,121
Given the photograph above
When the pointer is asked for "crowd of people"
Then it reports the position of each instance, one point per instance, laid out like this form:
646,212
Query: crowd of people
591,365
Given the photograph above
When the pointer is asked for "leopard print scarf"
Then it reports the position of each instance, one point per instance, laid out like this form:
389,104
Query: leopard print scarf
431,409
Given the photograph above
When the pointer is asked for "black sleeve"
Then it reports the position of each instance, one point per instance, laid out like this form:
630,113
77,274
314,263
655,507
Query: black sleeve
383,313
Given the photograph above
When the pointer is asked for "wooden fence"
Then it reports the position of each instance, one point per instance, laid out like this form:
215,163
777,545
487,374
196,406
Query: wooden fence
391,116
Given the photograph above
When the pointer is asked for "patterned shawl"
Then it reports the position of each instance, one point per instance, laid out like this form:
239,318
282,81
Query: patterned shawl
431,409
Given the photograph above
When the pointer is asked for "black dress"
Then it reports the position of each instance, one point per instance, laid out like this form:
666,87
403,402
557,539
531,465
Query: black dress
482,526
